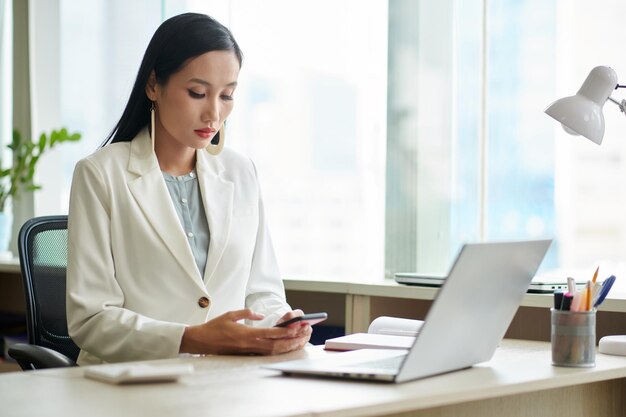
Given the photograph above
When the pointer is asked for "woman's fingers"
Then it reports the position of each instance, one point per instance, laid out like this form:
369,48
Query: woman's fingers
245,314
278,346
275,340
291,314
225,334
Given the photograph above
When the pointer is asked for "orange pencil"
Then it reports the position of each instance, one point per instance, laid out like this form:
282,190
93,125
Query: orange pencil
595,275
588,296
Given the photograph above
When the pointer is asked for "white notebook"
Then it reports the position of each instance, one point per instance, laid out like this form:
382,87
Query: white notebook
383,333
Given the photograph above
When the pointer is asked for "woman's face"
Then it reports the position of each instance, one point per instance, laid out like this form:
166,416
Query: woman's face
192,106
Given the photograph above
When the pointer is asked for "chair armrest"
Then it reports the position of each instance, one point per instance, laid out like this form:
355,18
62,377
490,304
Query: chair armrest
31,357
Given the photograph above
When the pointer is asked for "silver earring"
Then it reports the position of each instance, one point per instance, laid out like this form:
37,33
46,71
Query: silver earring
152,117
216,148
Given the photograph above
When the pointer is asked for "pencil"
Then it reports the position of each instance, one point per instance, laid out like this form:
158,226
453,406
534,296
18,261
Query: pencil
595,275
588,296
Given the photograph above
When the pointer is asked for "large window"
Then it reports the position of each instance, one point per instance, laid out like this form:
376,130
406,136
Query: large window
434,155
386,133
87,54
309,110
471,154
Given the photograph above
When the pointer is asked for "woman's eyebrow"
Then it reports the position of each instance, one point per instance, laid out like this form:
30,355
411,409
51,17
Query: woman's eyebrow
208,84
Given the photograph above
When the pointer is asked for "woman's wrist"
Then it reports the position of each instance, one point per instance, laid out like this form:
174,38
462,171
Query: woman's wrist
190,342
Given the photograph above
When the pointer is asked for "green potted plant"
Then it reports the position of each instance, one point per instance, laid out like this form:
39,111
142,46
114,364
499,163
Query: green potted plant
17,178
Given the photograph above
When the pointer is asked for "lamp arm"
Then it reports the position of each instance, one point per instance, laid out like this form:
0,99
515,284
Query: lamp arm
621,105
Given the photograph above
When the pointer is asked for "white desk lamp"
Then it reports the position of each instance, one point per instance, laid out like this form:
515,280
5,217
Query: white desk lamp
581,114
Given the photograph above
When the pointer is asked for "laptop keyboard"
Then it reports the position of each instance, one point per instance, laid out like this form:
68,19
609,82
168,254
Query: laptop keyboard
387,364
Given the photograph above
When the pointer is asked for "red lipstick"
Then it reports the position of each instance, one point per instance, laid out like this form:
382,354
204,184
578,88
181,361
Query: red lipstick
205,133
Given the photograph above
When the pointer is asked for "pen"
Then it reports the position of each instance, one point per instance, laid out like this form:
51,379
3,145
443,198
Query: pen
558,300
606,287
567,301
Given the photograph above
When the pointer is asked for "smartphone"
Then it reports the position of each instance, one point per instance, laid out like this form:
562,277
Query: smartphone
311,318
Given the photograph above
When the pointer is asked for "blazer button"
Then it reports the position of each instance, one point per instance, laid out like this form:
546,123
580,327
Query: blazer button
203,302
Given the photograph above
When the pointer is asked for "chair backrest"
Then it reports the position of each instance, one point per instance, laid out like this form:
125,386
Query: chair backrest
42,245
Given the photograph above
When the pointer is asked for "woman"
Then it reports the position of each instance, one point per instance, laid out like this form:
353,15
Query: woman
168,245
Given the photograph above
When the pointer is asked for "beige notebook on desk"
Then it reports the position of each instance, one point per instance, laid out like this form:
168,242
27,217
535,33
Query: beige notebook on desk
383,333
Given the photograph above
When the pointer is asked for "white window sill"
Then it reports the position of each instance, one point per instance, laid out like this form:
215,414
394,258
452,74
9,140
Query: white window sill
616,302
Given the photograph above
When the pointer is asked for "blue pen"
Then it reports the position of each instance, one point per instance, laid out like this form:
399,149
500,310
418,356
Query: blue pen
606,287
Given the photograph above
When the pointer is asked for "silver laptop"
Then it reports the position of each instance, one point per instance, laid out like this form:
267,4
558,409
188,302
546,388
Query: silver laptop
467,320
539,284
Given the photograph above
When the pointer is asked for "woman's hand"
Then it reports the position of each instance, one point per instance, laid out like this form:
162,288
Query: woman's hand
224,335
304,329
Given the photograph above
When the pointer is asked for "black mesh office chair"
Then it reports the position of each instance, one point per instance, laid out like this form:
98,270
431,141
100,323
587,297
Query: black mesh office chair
42,244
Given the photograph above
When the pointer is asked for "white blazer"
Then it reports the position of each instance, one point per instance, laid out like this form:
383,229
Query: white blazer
132,281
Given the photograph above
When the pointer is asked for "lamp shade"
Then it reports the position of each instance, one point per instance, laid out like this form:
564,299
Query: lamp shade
581,114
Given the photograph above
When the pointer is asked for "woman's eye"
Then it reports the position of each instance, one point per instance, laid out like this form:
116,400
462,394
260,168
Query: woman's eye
193,94
227,97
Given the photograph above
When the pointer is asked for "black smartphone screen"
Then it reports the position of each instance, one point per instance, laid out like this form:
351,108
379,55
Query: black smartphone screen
311,318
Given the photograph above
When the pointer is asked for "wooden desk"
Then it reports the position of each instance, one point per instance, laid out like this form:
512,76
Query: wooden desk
518,381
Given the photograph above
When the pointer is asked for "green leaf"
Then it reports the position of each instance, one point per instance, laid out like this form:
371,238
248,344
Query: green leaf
42,143
25,156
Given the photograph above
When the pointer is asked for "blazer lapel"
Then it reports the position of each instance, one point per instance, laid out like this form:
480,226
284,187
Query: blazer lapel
151,194
217,196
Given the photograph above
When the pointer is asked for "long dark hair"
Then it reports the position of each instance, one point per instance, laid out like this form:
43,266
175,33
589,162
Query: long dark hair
178,39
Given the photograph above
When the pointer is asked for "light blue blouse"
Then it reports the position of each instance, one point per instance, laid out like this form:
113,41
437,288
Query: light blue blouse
185,193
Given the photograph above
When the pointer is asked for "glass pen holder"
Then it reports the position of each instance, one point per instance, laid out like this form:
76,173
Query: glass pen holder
573,338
